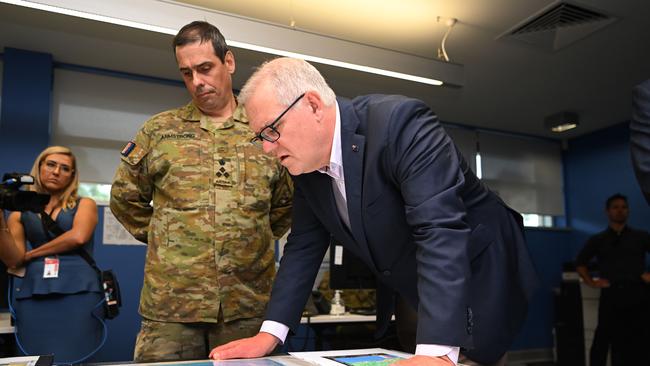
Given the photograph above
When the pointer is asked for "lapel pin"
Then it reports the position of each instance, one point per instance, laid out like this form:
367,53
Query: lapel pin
355,148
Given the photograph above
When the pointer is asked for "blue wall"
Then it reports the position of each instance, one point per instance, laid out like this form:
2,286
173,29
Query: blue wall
26,108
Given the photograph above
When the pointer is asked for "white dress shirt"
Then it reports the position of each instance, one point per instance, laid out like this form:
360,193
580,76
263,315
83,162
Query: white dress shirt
335,170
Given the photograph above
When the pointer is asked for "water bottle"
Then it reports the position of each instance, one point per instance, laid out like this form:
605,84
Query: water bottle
338,306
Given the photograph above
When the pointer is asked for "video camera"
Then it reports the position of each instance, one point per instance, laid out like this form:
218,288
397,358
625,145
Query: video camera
12,198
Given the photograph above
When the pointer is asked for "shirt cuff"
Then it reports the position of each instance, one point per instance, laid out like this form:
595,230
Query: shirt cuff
278,330
435,350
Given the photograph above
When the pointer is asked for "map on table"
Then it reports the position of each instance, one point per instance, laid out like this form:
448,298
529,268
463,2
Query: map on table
373,359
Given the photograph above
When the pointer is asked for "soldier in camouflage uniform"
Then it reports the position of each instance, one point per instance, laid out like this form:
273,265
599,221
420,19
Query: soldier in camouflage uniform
217,204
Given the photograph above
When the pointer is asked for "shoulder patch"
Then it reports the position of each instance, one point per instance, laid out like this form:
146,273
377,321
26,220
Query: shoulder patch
128,148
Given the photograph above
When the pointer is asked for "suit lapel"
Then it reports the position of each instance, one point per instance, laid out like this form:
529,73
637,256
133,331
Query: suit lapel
352,146
321,184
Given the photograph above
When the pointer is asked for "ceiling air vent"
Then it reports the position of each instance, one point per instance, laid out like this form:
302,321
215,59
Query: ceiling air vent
558,25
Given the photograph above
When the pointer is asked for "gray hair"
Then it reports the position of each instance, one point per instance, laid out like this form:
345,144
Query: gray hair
288,77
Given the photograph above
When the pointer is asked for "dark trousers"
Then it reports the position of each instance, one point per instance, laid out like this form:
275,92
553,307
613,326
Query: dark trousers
622,324
406,323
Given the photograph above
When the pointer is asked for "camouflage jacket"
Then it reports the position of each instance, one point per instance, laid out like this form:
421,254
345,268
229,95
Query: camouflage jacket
218,201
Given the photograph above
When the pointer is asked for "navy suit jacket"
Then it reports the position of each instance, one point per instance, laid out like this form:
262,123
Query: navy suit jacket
422,221
640,136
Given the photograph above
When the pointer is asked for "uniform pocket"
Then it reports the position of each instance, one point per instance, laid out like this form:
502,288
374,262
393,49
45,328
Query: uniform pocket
186,237
257,175
177,171
189,227
178,152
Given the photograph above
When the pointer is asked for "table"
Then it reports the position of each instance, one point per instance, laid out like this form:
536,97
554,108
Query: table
345,318
293,359
5,324
286,360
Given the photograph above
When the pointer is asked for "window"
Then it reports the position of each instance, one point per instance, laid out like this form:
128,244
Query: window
526,172
534,220
96,115
101,193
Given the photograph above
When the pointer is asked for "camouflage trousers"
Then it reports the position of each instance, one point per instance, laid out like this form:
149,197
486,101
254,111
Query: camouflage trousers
166,341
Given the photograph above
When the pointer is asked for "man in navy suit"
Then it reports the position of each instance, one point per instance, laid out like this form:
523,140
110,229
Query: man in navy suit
640,136
380,175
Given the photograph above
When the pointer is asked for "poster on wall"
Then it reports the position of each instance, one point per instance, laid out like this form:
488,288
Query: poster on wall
115,233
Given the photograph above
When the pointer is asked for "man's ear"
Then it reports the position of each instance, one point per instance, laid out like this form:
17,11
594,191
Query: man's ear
315,104
229,61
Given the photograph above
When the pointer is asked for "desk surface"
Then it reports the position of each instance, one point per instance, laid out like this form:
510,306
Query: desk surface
345,318
5,324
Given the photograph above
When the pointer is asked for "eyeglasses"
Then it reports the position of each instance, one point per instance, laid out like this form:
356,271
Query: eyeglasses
270,132
51,166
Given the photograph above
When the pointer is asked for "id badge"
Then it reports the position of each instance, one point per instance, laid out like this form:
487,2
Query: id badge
51,268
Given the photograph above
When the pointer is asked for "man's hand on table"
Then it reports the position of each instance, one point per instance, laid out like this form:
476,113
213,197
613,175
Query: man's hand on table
425,361
259,345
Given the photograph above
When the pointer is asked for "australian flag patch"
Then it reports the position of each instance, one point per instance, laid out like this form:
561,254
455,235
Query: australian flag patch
128,148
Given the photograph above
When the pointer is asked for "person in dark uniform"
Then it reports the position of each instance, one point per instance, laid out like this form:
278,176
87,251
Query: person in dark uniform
622,312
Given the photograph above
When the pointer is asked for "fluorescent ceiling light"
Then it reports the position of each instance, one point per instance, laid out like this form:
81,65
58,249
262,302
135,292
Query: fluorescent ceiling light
564,127
238,44
562,121
346,65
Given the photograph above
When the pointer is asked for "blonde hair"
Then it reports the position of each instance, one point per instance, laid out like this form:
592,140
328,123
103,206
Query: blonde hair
288,77
69,197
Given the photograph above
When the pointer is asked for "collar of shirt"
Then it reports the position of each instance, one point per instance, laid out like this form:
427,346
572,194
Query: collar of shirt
335,167
191,113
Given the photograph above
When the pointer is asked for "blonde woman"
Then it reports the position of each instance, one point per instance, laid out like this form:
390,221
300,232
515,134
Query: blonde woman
55,300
